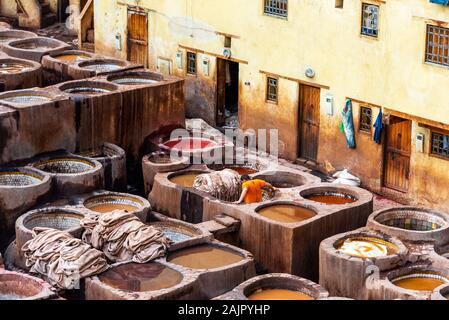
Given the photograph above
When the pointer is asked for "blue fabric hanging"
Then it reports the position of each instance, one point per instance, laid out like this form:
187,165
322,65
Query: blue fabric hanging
379,128
348,125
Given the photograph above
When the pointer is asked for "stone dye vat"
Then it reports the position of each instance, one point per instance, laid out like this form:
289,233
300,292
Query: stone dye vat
192,147
18,286
415,282
163,280
113,160
106,202
185,178
151,101
286,212
160,163
98,108
64,219
20,190
72,174
34,48
99,66
398,256
56,65
412,224
12,34
276,287
287,180
347,260
20,74
29,130
441,293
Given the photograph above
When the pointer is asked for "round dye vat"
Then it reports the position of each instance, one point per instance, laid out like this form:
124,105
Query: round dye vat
102,67
13,68
87,90
18,179
58,220
185,180
204,257
26,98
141,277
420,281
107,204
331,198
367,247
190,144
72,57
279,294
65,166
287,213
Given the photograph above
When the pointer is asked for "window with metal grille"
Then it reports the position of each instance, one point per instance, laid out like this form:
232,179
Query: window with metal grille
370,20
437,48
366,119
440,144
191,62
276,8
272,89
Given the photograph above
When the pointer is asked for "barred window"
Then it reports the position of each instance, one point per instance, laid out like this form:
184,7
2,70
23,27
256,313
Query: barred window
272,89
366,119
191,63
276,7
370,20
440,144
437,48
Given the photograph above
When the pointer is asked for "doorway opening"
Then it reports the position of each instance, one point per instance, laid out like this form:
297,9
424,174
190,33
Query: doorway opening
227,93
138,36
309,122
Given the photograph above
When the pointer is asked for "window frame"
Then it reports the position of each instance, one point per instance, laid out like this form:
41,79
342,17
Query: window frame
431,153
190,53
361,124
362,21
427,47
268,85
272,14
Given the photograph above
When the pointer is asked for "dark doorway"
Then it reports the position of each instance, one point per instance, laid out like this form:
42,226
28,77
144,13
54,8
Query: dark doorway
227,93
309,122
397,154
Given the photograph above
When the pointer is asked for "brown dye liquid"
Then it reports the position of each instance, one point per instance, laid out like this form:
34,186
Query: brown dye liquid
204,257
185,180
331,199
278,294
110,207
287,213
243,171
72,57
419,284
12,68
33,46
141,277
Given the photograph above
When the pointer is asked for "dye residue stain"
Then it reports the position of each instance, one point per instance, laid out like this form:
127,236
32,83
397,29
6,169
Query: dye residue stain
204,257
287,213
111,207
141,277
419,283
185,180
279,294
72,57
367,248
331,199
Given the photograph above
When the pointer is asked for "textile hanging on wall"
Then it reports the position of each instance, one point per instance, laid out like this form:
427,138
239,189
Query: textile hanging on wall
379,126
348,125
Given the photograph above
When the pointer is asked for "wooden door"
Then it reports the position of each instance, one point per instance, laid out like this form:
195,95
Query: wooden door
309,127
221,91
397,154
138,37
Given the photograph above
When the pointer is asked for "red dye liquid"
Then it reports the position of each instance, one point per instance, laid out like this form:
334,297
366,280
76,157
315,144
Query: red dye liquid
189,144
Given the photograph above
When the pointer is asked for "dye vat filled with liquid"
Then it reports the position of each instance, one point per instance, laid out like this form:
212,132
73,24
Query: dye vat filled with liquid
331,198
185,179
189,144
25,98
136,78
204,257
286,213
367,247
18,179
72,57
278,294
420,281
110,203
65,165
141,277
13,68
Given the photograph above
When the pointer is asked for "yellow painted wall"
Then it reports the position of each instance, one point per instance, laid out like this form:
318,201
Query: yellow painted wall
389,71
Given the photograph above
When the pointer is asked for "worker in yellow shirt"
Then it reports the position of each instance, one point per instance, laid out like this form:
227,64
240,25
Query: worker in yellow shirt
252,190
